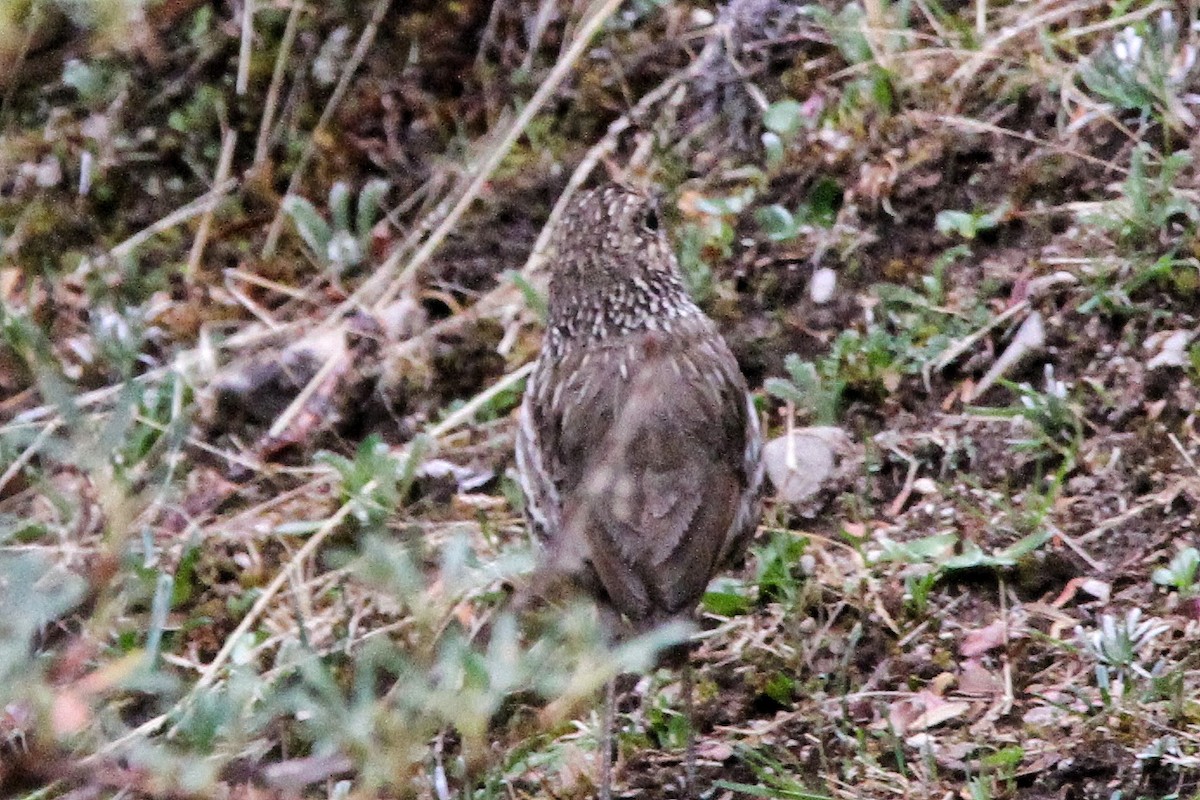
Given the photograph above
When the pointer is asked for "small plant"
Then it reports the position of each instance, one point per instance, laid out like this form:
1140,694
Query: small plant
534,299
815,388
780,224
1149,201
777,560
910,329
35,593
775,779
667,725
1053,423
1117,643
847,29
917,588
726,598
783,121
1145,69
969,224
375,481
1114,296
981,788
1180,574
948,553
97,83
342,245
1168,750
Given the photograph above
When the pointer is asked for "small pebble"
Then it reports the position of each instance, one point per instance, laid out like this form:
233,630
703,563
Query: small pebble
822,286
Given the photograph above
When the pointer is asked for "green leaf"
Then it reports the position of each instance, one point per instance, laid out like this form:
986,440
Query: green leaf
725,604
33,593
784,390
784,118
973,557
928,548
1024,546
773,146
369,200
339,205
313,229
780,688
824,200
955,222
86,79
533,298
726,206
777,222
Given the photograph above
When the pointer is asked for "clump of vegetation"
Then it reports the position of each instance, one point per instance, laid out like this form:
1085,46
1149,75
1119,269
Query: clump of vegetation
341,244
208,606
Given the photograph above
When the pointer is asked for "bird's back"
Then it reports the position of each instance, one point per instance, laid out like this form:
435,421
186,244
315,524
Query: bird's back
649,455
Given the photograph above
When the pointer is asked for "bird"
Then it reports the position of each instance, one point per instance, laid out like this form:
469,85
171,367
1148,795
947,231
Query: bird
638,447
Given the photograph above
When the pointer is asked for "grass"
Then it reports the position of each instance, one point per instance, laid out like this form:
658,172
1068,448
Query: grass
257,527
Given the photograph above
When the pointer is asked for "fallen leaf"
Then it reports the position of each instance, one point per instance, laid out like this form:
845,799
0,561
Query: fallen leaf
976,679
1030,338
977,642
922,711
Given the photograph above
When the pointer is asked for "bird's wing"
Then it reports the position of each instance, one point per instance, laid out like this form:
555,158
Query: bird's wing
649,465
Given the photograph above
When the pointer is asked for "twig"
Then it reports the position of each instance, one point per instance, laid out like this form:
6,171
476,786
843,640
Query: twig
272,99
500,295
232,458
27,455
1077,548
1008,698
254,308
1114,22
492,160
967,123
1186,455
224,166
967,342
176,217
183,360
265,283
1158,498
228,142
993,44
209,674
243,73
467,411
898,504
283,420
541,21
1029,338
360,52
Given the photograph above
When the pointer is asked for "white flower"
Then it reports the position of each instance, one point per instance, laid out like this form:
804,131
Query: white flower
1127,47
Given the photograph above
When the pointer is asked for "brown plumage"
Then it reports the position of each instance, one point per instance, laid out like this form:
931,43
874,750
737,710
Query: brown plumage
638,448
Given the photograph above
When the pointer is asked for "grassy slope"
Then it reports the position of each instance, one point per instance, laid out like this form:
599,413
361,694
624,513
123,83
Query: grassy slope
994,595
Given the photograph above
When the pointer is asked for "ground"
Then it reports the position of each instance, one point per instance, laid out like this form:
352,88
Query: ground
271,283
